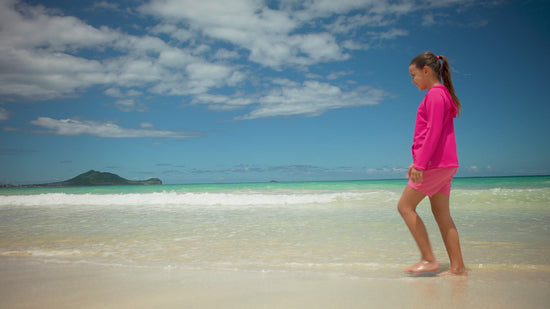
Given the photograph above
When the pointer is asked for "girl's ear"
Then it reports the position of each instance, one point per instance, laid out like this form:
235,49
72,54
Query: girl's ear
426,69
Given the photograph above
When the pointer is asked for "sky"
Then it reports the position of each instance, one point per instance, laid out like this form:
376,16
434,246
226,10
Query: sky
257,90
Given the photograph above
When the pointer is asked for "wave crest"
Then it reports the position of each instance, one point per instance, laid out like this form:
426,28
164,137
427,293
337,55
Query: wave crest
177,198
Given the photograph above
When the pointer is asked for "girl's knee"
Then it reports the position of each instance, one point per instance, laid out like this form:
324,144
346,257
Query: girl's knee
400,209
409,200
404,208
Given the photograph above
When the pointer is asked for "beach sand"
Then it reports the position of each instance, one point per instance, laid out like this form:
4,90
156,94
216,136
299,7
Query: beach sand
31,283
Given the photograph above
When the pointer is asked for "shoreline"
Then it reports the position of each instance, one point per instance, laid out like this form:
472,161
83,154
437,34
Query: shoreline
27,282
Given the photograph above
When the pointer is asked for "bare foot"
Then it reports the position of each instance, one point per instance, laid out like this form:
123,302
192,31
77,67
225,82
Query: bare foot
422,267
454,272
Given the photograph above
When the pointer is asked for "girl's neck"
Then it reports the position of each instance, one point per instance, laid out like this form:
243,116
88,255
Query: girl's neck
433,83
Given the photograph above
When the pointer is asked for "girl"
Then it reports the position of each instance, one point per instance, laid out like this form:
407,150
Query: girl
434,162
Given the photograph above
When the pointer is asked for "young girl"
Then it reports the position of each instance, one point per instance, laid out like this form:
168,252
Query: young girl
434,162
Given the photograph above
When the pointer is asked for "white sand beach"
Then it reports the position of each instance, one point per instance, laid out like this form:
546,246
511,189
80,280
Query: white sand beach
29,283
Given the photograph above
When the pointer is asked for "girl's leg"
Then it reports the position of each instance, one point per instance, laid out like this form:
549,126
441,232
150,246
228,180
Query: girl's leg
407,208
442,214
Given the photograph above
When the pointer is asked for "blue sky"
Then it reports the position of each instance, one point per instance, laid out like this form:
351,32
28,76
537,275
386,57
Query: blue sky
250,90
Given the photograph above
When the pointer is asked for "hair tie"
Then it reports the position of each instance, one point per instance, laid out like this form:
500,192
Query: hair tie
438,58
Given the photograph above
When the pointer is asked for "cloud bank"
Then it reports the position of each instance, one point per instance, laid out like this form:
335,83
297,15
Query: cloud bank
73,127
214,52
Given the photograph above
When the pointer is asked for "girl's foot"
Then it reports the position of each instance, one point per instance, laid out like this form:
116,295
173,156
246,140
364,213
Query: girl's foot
422,267
454,272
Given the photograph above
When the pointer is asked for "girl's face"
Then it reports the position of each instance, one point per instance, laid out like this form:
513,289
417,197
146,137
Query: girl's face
420,77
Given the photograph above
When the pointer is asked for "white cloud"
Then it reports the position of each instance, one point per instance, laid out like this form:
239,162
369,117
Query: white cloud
347,24
428,20
118,93
33,61
180,34
74,127
196,78
224,102
281,50
42,75
376,10
387,171
285,82
337,75
249,24
290,98
25,26
391,34
323,8
4,115
272,34
130,105
211,72
146,125
212,16
40,58
443,3
319,47
225,54
354,45
45,54
114,92
106,5
312,98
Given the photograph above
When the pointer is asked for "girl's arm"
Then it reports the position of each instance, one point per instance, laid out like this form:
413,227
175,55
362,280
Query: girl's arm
435,109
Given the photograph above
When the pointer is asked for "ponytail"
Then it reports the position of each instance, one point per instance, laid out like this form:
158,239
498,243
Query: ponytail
443,71
446,76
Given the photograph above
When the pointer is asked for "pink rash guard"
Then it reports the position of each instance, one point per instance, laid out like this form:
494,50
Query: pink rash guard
434,144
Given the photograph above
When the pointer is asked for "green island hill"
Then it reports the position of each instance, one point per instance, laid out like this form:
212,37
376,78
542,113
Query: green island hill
95,178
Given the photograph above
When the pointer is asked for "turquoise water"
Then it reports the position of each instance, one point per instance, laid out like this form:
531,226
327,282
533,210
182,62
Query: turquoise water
347,227
458,183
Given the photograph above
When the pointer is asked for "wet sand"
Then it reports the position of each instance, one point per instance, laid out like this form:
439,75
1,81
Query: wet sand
30,283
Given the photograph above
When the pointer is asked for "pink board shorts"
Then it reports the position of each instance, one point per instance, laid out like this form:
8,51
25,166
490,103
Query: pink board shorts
435,181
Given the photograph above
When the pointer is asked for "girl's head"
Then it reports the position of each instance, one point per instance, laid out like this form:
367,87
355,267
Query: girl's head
429,66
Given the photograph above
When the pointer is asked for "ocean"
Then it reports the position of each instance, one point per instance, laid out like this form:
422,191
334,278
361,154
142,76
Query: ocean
346,228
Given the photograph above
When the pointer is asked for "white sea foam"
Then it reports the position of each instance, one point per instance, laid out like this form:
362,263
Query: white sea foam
42,253
176,198
263,198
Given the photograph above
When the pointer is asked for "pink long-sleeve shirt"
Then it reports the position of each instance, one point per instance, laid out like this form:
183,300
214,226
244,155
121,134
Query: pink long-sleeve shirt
434,143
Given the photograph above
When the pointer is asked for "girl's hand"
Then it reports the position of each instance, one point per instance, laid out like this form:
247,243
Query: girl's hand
414,175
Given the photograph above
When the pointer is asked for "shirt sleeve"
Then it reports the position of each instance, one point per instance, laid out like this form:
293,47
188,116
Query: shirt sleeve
435,114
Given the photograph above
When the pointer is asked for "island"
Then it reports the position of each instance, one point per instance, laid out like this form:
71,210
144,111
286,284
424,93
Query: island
93,178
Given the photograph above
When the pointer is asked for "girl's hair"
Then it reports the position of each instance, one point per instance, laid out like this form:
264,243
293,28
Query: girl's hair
442,69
